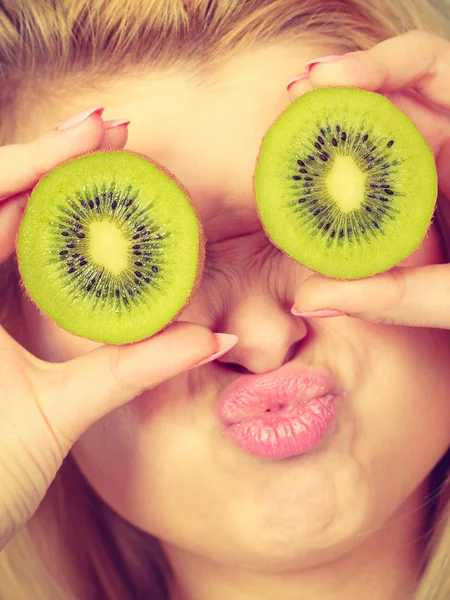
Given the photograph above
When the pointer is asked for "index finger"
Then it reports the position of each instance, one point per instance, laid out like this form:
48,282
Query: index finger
22,165
414,296
55,148
419,60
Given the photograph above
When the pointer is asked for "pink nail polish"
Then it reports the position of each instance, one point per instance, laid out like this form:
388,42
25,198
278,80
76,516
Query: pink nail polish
118,123
295,79
324,59
77,119
324,313
225,342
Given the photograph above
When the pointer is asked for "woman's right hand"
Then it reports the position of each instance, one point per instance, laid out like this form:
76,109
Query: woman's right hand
45,407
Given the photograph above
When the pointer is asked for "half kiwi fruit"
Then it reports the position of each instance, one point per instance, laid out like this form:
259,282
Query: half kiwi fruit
110,247
345,183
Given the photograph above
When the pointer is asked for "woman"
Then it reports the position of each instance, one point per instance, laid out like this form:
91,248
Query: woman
157,498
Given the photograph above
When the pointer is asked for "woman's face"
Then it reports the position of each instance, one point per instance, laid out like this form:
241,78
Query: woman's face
164,461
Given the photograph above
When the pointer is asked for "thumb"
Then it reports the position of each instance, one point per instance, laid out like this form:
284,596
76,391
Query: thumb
418,297
10,216
87,388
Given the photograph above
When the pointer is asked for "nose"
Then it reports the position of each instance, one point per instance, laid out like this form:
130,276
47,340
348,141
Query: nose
268,334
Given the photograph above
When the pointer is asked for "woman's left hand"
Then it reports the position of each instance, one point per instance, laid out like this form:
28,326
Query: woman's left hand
413,71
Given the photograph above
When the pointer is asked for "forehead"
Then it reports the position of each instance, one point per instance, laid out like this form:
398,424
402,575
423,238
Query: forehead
207,130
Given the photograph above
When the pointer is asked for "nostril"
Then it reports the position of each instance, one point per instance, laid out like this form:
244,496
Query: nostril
292,351
237,368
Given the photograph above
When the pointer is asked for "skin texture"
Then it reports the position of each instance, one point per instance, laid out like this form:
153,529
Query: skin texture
341,522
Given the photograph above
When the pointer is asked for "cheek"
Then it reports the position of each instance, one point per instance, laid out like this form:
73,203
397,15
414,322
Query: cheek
403,404
109,455
151,461
398,417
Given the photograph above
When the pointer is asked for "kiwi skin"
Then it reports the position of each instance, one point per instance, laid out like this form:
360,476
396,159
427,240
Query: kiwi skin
278,246
201,253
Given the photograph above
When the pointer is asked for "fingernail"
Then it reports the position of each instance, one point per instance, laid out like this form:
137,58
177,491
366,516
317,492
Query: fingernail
323,59
324,313
294,80
117,123
77,119
225,342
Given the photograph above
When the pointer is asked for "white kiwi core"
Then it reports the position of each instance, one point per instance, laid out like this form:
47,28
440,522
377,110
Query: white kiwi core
346,183
108,247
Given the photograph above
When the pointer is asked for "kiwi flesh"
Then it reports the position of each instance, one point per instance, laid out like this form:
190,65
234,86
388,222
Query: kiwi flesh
110,247
345,183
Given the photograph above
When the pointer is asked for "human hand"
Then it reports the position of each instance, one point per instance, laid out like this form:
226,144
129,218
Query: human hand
413,71
45,407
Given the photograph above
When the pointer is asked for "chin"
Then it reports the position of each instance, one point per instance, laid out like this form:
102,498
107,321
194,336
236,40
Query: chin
296,521
279,551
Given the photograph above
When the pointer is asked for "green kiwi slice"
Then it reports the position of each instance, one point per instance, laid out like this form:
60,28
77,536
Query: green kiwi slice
110,247
345,183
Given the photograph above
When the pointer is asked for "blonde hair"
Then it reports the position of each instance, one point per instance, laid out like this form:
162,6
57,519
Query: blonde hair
70,45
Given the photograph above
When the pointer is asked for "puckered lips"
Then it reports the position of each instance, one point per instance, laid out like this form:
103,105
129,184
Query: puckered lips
279,414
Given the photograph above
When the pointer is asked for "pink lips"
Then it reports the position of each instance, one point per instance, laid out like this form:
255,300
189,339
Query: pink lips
280,414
